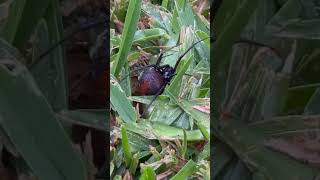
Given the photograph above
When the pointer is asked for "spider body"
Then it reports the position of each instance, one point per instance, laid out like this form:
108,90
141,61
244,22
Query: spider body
154,78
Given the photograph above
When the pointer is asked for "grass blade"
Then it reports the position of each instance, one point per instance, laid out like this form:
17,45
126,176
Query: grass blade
49,72
186,171
148,173
227,34
130,26
120,102
156,130
126,146
134,163
184,144
29,121
93,118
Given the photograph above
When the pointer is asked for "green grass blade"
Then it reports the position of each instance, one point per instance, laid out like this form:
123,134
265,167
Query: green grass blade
29,121
142,36
174,86
186,171
120,102
283,125
49,72
156,130
149,34
134,163
130,26
205,153
139,143
55,28
165,3
203,119
147,174
93,118
184,144
126,146
226,33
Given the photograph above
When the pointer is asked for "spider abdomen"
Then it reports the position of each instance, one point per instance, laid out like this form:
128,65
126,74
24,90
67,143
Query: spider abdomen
151,82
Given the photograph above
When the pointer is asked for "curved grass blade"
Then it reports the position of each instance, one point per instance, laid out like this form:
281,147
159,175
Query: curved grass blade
120,102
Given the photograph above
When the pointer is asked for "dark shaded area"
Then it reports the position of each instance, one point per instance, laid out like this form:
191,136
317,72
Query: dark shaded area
215,5
88,75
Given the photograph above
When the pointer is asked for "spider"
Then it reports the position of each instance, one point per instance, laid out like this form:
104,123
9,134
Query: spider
155,77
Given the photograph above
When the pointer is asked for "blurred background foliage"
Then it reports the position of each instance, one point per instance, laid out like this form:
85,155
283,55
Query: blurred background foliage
45,99
266,90
172,141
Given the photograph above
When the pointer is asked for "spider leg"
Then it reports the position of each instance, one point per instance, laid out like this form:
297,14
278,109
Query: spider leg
171,78
159,59
162,53
180,57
